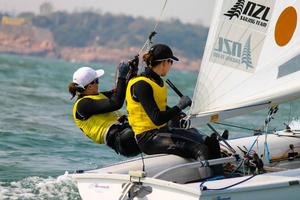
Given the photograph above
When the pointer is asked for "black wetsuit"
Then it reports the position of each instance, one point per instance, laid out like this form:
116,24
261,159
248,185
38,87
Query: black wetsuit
120,136
88,107
188,143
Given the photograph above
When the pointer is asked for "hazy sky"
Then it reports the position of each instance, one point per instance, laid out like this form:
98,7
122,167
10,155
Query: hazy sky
193,11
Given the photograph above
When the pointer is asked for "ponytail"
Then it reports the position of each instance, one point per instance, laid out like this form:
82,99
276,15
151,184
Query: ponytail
148,58
74,89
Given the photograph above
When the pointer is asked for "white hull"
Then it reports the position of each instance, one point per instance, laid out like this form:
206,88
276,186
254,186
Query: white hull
109,186
109,182
273,186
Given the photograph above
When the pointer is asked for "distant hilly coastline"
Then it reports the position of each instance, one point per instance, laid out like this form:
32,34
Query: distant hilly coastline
92,37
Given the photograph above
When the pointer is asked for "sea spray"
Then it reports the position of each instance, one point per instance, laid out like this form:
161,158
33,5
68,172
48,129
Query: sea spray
37,188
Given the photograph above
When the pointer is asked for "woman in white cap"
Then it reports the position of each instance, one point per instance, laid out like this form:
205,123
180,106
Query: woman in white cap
97,113
148,113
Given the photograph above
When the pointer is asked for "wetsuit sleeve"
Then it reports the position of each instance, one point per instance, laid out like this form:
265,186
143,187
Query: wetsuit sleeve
109,94
143,93
88,107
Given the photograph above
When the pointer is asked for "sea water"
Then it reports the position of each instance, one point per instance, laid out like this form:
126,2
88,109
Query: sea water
39,142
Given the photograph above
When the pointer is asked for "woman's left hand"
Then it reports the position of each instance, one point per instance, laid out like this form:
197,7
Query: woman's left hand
123,70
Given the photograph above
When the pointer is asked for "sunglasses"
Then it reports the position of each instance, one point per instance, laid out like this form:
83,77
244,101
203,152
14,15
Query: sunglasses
170,61
95,81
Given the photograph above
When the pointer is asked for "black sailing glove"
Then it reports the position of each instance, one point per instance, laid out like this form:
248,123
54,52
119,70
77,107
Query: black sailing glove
134,67
176,121
123,70
184,102
134,63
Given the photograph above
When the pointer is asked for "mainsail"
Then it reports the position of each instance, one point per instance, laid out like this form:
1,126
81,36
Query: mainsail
248,60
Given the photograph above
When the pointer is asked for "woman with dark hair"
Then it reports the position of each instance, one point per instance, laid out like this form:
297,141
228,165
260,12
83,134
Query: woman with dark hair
148,113
97,114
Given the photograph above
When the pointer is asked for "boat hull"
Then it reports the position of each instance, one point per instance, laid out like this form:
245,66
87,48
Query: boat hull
110,182
273,186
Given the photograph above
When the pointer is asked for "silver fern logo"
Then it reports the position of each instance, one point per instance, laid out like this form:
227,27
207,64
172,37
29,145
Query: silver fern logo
236,10
249,12
234,52
246,56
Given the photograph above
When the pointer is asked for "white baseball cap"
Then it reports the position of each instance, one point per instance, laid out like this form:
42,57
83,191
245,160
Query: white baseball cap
85,75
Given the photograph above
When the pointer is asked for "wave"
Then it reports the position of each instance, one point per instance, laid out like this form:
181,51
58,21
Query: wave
37,188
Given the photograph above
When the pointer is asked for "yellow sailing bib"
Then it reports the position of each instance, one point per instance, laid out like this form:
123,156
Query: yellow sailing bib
97,125
137,117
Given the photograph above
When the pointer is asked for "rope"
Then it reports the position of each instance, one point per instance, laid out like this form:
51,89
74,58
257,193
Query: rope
220,137
148,42
235,126
273,110
125,191
224,188
290,113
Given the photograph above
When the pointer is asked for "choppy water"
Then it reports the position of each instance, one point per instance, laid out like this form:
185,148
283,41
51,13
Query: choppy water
38,139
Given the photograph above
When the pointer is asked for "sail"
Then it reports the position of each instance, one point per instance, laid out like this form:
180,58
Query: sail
248,60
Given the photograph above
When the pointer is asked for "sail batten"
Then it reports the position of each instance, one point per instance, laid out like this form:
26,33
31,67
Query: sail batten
248,45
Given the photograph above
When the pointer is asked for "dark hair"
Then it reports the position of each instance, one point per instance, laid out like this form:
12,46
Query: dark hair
73,89
148,58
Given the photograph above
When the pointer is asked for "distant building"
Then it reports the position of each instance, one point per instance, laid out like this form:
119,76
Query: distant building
12,21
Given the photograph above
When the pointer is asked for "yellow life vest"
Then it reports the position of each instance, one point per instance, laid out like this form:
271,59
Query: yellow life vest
97,125
137,117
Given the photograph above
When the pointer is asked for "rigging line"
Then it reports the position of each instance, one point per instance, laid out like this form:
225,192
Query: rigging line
292,136
290,112
251,147
220,137
154,29
161,13
271,113
247,153
205,188
148,41
238,167
235,126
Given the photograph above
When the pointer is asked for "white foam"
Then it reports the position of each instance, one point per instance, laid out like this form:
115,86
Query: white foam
63,187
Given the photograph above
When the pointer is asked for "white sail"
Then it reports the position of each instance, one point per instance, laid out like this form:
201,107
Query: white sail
246,65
